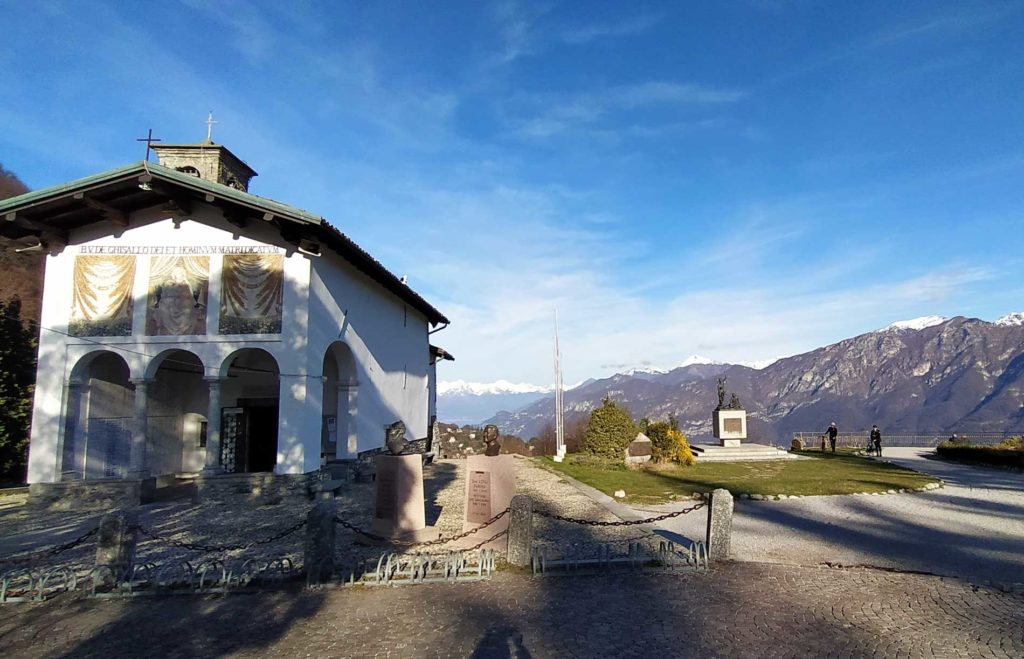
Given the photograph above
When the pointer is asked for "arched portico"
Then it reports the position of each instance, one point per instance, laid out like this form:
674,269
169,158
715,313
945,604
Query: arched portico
177,404
99,418
248,393
338,437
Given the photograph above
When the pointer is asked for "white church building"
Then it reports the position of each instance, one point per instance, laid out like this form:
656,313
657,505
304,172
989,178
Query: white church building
189,326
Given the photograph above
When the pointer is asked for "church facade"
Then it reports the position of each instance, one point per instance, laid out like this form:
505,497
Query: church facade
189,326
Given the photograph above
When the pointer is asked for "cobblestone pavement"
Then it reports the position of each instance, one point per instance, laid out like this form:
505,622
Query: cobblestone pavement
735,610
973,527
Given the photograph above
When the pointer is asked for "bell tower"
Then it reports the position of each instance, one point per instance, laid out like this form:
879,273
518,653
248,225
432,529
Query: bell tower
208,161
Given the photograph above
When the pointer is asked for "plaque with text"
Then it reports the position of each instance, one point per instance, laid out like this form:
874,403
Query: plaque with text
478,506
386,502
732,425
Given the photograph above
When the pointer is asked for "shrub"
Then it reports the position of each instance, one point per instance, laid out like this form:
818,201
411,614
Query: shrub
668,444
609,432
1008,453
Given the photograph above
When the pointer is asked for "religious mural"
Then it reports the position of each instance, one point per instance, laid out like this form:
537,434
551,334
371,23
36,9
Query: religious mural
252,294
178,286
101,301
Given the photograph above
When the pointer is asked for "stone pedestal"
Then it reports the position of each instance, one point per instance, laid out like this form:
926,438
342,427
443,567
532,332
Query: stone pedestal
399,509
730,426
490,486
318,549
520,531
719,534
115,547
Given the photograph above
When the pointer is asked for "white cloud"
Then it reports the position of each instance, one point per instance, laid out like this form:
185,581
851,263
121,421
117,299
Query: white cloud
624,28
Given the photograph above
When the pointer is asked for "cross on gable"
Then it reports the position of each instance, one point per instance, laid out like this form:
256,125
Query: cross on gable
148,139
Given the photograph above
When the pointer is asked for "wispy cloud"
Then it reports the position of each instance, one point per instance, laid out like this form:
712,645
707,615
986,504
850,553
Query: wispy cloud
547,114
628,27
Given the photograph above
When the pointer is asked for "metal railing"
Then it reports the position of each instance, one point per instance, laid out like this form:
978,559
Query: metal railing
859,439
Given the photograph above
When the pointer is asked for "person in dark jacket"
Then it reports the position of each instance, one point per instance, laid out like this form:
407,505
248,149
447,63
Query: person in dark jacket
832,432
876,440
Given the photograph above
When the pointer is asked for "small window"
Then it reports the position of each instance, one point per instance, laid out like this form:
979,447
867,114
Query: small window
190,170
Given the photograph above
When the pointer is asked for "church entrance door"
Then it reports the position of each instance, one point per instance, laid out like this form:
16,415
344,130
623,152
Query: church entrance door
261,438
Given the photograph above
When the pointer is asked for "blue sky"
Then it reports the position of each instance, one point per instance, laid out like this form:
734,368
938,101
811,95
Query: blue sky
742,180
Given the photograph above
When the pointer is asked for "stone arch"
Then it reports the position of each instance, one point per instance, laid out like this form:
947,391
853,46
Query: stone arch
180,353
340,402
98,416
176,392
250,404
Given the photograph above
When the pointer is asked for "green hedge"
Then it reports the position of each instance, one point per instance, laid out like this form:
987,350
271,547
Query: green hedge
1009,453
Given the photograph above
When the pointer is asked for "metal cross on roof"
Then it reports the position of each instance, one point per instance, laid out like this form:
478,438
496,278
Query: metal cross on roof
209,127
148,139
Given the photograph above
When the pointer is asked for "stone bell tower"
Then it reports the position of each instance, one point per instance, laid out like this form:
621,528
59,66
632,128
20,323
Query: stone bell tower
208,161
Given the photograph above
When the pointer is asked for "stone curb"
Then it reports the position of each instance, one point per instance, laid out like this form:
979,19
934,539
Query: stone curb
782,497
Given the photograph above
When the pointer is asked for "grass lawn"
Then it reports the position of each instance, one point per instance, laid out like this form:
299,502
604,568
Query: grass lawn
841,473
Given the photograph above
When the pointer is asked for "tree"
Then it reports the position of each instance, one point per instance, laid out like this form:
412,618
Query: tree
17,379
544,444
610,431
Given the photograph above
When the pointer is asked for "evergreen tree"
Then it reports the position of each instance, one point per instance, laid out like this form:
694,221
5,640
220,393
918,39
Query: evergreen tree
610,431
17,379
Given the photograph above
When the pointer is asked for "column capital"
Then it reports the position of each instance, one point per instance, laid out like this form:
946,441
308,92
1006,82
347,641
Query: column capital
142,381
213,379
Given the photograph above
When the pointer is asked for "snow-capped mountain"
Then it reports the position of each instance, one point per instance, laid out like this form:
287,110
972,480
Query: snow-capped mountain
1011,319
914,324
464,388
697,359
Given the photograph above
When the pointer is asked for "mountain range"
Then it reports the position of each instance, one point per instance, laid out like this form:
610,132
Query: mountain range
923,375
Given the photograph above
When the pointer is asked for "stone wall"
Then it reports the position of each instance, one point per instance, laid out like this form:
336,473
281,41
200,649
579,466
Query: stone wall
91,495
260,489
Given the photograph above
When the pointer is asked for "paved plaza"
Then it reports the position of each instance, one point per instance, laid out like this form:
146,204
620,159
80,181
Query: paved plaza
736,610
777,599
972,527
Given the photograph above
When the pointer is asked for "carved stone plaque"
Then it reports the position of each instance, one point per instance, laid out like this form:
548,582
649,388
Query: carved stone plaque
387,496
732,425
478,506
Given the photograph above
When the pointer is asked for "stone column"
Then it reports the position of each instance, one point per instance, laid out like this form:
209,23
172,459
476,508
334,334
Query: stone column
140,419
520,530
719,533
213,427
347,440
71,434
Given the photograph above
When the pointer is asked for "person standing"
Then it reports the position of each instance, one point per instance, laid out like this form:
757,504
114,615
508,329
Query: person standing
832,432
876,440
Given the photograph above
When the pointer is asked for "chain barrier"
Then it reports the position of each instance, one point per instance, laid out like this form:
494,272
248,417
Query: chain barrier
195,546
637,522
427,543
52,551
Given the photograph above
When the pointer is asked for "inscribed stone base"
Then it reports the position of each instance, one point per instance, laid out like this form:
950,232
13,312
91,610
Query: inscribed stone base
490,486
729,442
399,509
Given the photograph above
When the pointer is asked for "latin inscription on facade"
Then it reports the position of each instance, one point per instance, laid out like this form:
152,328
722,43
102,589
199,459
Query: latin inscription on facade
478,506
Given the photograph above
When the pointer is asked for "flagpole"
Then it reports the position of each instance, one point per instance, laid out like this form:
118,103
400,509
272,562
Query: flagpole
559,425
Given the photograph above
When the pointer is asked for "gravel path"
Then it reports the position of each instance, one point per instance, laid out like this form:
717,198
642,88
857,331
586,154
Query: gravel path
971,528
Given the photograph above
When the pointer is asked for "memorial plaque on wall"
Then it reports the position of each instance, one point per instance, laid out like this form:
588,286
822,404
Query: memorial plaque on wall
386,506
478,506
733,425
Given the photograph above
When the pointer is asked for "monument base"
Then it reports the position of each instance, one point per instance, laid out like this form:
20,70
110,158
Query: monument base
730,442
490,486
399,509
